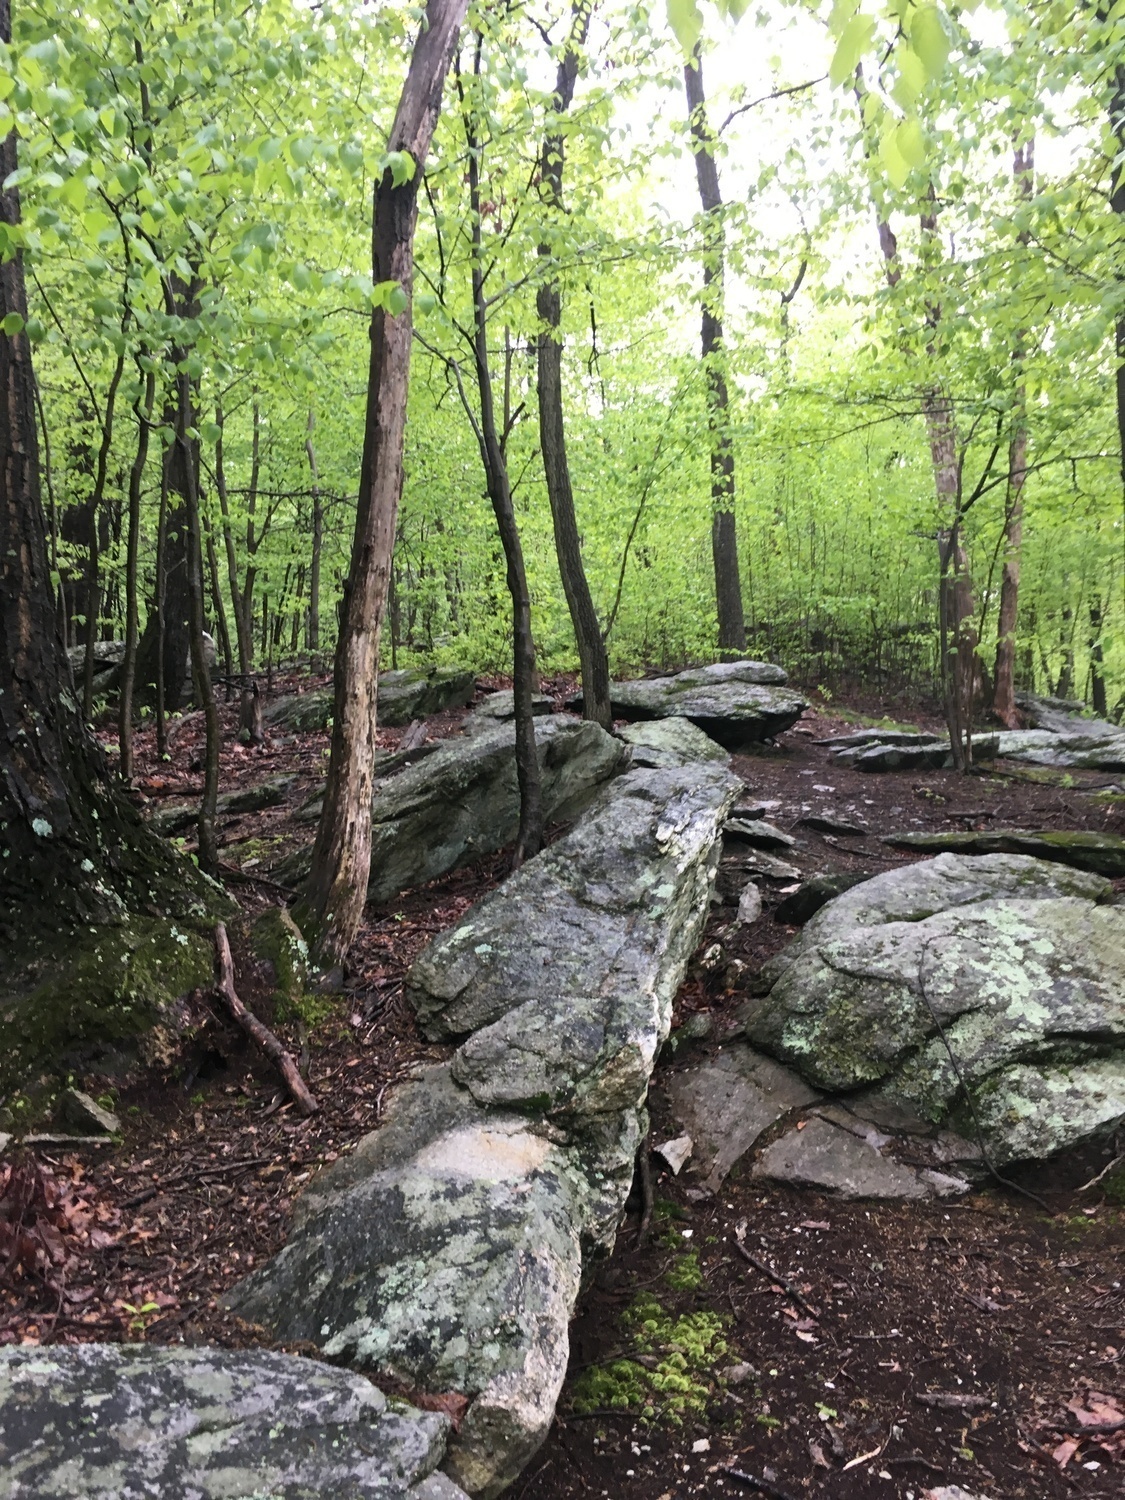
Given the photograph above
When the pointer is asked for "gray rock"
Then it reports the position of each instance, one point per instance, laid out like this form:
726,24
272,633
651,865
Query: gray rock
437,1486
813,894
613,910
671,742
822,1155
1091,750
727,1101
735,703
500,708
447,1249
749,904
1062,716
930,755
758,862
116,1421
269,793
952,1492
838,826
106,654
86,1114
1103,853
1022,964
758,833
405,694
463,800
864,737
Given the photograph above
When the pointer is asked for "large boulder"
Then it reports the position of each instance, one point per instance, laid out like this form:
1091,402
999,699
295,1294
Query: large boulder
104,1421
462,800
1022,963
1086,746
671,742
737,703
405,694
447,1250
1062,716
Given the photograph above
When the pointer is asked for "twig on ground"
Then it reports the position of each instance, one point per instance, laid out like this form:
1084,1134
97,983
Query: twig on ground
766,1270
952,1400
763,1486
254,1029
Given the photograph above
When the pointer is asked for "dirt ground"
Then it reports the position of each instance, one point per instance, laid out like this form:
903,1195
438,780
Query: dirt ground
900,1347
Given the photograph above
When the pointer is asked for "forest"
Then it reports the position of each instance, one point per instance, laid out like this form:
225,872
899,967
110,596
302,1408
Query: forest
562,714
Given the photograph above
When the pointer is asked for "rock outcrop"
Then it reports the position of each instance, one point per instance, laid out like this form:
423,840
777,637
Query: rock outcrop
1103,853
462,800
123,1420
736,703
1022,963
658,743
405,694
448,1249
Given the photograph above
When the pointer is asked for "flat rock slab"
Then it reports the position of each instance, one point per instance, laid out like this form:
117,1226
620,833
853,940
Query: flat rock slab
838,826
1103,853
500,708
727,1101
612,910
1018,959
864,737
405,694
735,703
107,1421
824,1155
1091,748
929,755
1062,716
658,743
758,833
269,793
806,901
447,1250
462,800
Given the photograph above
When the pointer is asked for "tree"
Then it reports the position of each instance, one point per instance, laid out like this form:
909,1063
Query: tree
333,900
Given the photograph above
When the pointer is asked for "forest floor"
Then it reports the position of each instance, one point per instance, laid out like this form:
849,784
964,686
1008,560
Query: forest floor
1016,1317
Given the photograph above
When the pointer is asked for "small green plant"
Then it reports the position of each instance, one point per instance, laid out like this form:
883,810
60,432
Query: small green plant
685,1275
140,1315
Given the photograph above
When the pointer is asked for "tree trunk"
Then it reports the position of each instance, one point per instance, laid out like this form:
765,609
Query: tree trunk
312,631
1004,686
1117,203
132,550
167,633
76,851
592,654
1098,699
332,906
93,579
529,840
724,536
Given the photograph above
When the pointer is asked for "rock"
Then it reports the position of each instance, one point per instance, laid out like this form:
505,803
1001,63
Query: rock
676,1152
864,737
437,1486
671,742
728,1100
83,1113
927,756
100,1420
813,894
758,862
749,904
952,1492
740,1374
277,939
616,909
463,800
822,1155
269,793
1094,750
1020,959
405,694
447,1249
500,708
735,703
5,1141
1103,853
838,826
106,654
758,833
1062,716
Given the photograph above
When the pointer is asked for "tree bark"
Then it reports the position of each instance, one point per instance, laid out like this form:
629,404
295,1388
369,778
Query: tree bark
1117,203
76,853
592,655
1004,683
332,906
529,839
93,580
724,536
312,631
132,552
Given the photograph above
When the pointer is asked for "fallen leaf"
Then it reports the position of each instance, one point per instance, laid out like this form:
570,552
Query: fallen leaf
814,1224
1065,1452
816,1453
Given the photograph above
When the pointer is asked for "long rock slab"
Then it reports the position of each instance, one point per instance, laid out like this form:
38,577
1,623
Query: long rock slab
404,694
103,1421
462,800
447,1250
1102,853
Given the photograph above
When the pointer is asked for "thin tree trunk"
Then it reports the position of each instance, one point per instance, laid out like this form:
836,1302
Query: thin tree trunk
1004,685
132,550
220,609
334,897
592,655
1098,699
1117,203
93,579
530,837
312,632
724,536
160,589
250,707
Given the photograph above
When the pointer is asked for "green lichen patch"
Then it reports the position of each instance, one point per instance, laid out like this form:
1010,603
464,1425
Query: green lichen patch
112,987
669,1374
277,939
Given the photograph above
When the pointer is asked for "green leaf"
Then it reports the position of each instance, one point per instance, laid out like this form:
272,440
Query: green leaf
397,301
303,150
854,41
351,156
911,143
127,176
400,164
929,39
11,324
686,22
894,163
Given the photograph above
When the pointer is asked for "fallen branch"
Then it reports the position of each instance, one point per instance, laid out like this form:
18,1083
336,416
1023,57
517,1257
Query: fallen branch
953,1400
787,1286
763,1486
254,1029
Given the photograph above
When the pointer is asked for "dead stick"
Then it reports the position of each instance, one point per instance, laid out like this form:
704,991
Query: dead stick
255,1030
787,1286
